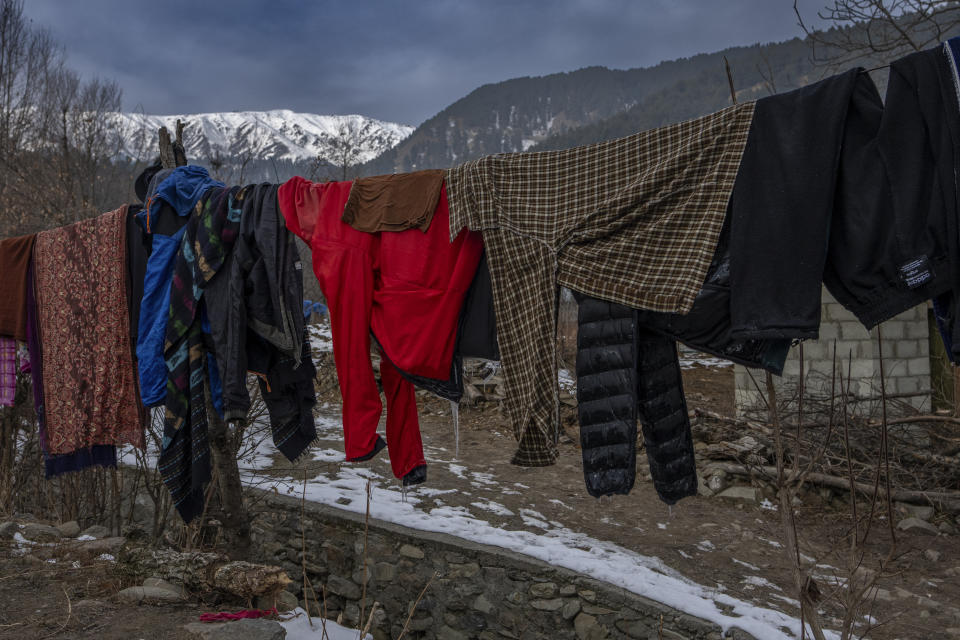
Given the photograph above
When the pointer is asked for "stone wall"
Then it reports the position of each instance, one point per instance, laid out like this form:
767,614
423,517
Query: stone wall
906,359
477,591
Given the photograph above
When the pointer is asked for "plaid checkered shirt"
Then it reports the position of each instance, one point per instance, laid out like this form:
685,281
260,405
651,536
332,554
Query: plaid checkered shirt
633,221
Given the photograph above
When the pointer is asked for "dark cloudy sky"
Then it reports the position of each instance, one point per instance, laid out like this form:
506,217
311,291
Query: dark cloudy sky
398,60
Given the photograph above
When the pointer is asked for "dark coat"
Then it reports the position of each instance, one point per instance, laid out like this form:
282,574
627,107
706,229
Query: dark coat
256,324
259,291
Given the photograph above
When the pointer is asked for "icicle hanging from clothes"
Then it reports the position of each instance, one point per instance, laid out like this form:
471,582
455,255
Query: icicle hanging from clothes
455,412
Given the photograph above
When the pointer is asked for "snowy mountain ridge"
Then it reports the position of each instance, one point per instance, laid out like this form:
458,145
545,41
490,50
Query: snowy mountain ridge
263,135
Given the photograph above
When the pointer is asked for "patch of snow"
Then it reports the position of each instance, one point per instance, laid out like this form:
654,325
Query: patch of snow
429,492
772,543
492,507
560,503
532,521
661,525
566,381
483,479
705,545
769,506
746,564
52,560
458,471
690,359
106,557
298,627
758,581
321,339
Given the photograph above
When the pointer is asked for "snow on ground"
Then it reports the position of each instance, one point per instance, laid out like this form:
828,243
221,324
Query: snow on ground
690,359
298,627
648,576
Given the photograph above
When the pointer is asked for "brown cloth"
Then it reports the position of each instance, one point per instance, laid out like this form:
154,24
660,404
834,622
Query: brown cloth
14,260
633,221
394,202
89,381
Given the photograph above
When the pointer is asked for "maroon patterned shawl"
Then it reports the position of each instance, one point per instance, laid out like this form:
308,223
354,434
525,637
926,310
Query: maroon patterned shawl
88,371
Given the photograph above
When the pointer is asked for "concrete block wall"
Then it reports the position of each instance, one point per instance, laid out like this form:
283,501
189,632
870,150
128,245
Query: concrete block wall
906,359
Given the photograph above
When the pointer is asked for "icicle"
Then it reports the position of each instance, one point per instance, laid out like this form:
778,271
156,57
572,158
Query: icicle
669,510
455,412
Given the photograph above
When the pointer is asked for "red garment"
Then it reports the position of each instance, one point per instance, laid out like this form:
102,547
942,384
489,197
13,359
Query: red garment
408,287
223,616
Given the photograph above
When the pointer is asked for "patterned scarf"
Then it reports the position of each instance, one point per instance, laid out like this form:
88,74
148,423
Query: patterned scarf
208,240
90,390
8,371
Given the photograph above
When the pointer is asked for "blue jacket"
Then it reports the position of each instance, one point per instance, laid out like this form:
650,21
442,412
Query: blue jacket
182,189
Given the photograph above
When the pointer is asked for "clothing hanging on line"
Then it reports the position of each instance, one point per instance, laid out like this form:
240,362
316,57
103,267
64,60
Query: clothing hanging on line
394,202
89,387
15,256
633,221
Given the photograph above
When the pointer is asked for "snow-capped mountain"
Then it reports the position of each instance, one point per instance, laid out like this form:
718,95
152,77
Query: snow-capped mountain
280,134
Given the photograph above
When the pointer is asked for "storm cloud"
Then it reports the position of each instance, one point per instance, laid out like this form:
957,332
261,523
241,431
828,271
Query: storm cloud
395,60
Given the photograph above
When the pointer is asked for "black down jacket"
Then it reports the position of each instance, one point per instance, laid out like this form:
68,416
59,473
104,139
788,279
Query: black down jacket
624,373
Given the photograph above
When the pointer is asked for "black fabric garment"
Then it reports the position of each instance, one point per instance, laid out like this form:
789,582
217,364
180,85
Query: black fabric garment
607,395
707,327
260,289
840,187
141,185
288,392
894,230
781,207
663,414
138,252
478,324
625,373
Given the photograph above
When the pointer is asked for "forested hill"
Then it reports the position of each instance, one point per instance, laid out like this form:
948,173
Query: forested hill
703,88
592,104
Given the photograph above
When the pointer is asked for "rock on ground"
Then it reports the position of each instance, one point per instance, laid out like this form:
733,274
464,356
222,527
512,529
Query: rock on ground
916,525
258,629
40,532
150,595
96,531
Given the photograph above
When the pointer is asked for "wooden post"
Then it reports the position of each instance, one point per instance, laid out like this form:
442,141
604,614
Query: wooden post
233,515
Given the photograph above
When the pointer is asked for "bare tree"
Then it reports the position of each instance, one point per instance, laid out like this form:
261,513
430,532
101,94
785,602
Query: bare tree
345,153
59,133
878,31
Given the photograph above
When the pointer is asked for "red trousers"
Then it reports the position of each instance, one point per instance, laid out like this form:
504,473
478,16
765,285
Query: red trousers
408,287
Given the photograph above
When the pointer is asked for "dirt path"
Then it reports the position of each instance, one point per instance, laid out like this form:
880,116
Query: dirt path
46,600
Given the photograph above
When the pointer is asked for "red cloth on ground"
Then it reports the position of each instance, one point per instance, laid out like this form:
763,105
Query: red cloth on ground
408,287
223,616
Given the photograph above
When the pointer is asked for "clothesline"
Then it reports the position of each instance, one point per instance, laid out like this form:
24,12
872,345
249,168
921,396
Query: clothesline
717,232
